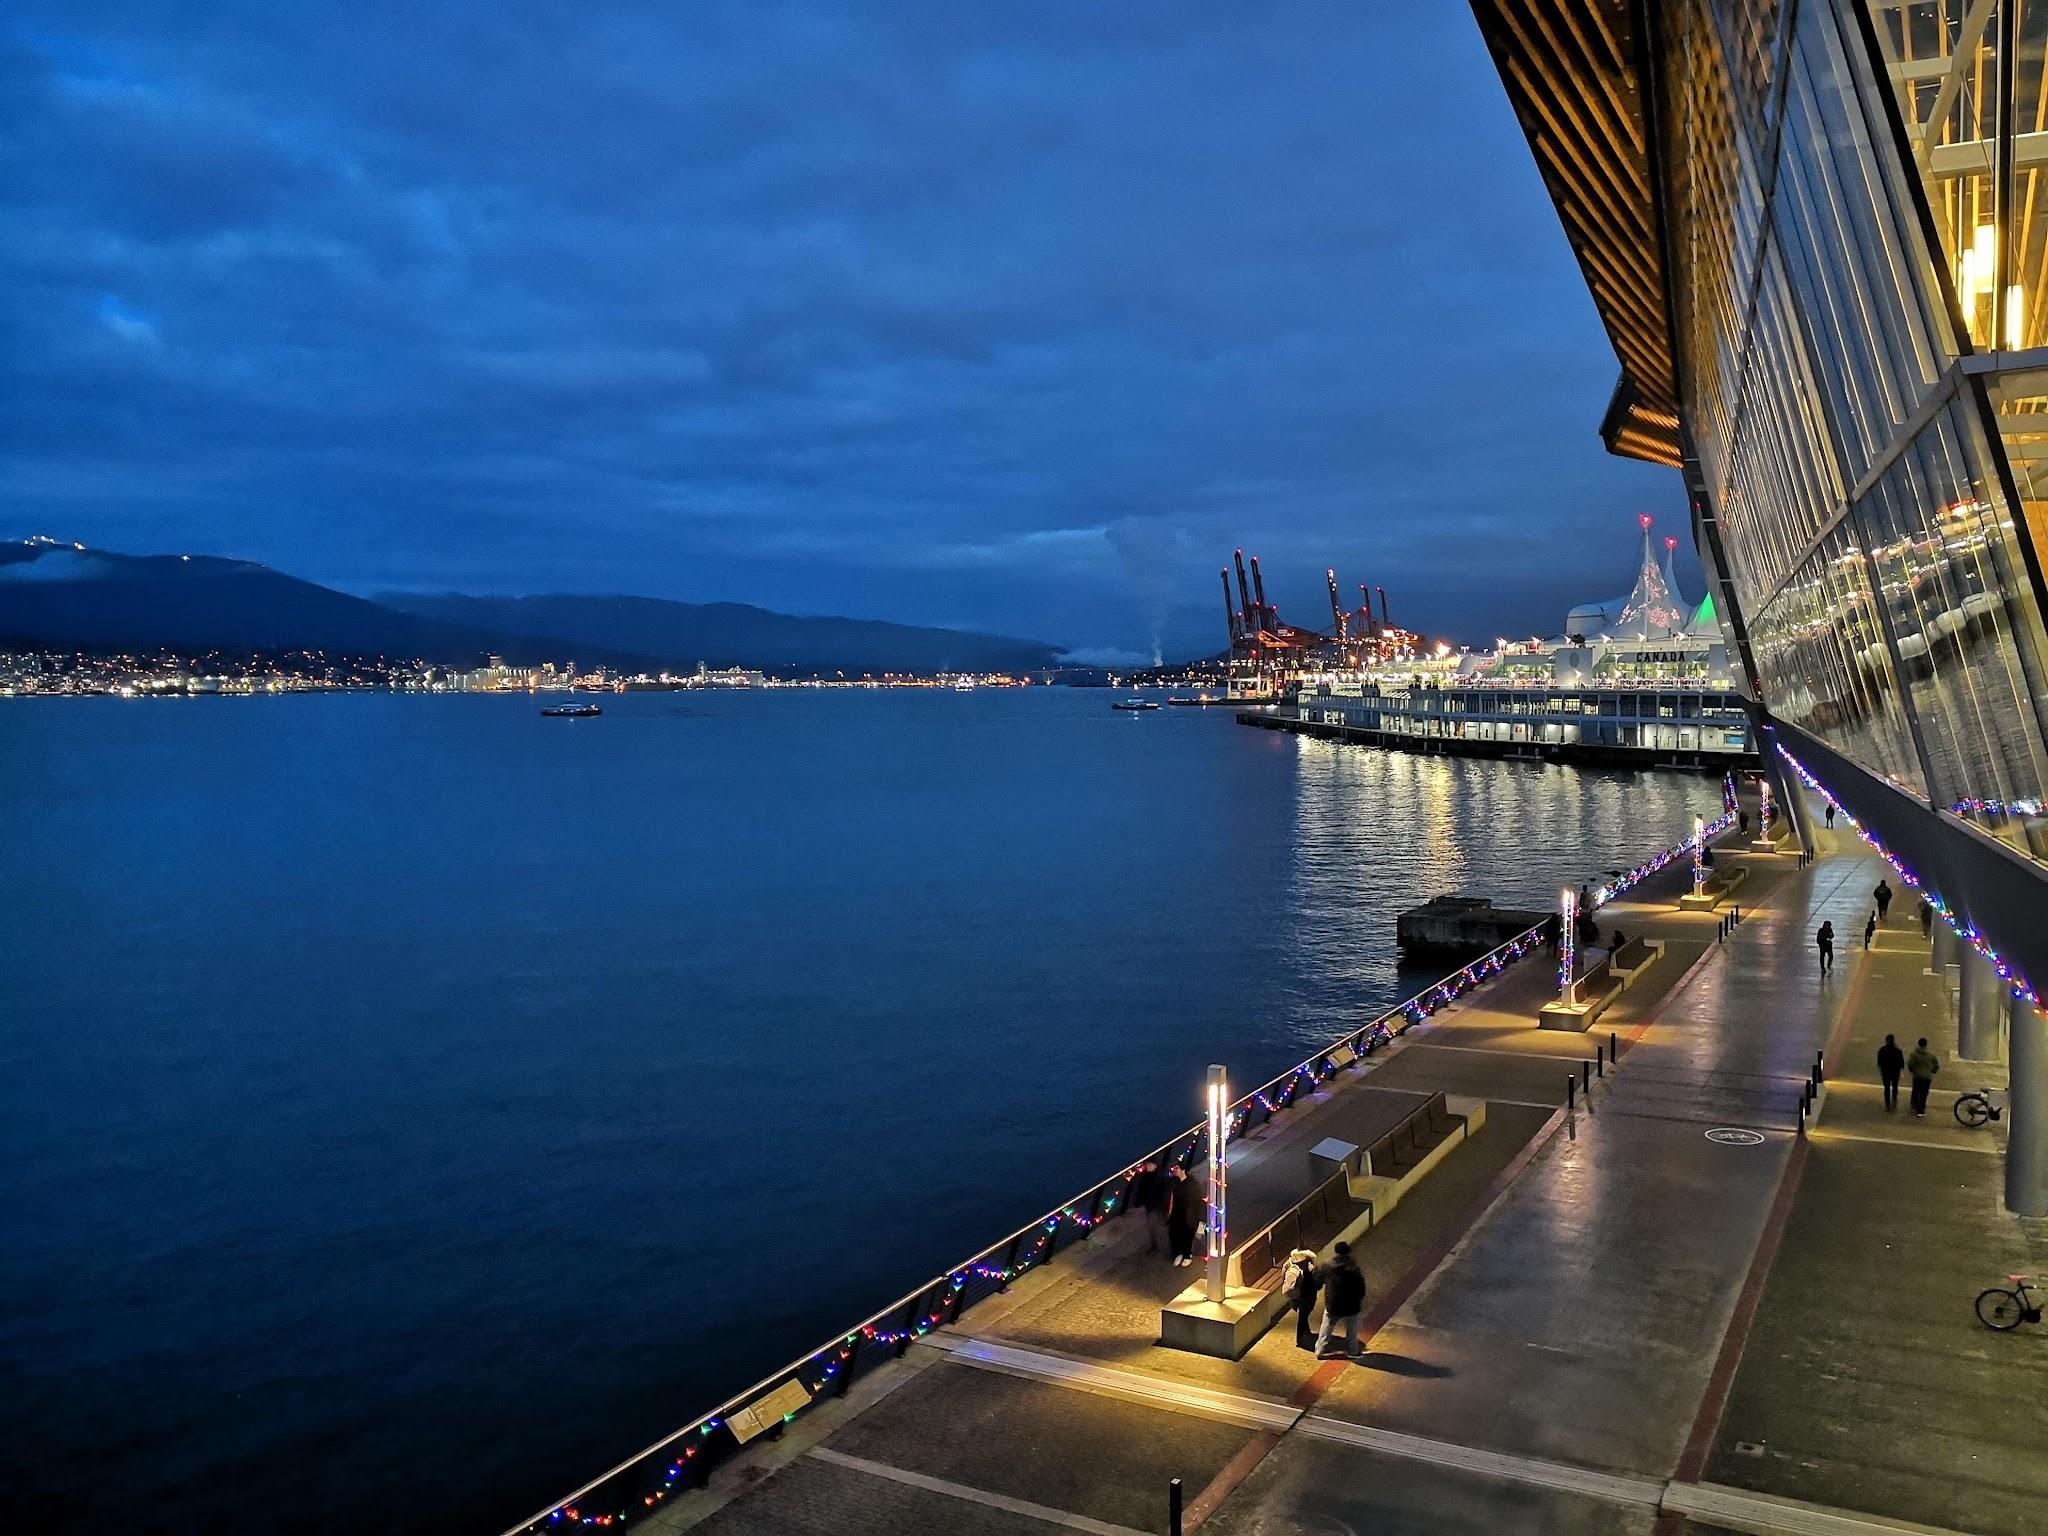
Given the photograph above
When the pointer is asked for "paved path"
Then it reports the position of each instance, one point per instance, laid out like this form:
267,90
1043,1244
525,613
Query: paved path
1594,1321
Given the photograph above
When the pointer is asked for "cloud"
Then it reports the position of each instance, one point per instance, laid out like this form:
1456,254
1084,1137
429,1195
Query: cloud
1021,319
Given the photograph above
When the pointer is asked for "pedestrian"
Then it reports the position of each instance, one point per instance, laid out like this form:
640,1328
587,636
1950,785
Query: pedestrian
1184,1206
1926,918
1303,1284
1831,815
1922,1065
1588,928
1585,898
1869,930
1824,941
1553,931
1614,944
1148,1194
1743,818
1343,1301
1883,893
1891,1061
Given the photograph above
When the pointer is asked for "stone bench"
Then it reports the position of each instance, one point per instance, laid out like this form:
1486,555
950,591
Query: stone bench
1340,1208
1597,988
1718,888
1634,957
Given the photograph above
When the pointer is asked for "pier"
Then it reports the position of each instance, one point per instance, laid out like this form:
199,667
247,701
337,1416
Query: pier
1630,726
1687,1275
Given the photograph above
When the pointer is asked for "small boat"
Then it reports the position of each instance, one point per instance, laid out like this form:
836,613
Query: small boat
570,711
1134,704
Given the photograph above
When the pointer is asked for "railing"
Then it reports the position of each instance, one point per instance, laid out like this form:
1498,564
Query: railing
638,1486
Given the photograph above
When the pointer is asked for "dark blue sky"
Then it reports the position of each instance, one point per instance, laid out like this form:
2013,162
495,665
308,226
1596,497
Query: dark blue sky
1013,316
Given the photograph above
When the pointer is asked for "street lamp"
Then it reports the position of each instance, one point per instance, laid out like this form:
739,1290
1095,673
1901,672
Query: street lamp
1219,1135
1568,946
1699,855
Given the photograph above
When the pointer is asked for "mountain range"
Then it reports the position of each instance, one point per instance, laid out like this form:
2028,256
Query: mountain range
63,596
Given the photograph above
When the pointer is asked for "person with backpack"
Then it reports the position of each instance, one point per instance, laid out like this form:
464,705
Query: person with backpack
1921,1066
1343,1301
1891,1061
1303,1284
1824,941
1883,896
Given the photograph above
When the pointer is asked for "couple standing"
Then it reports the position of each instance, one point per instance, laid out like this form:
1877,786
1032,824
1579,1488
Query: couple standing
1341,1283
1174,1207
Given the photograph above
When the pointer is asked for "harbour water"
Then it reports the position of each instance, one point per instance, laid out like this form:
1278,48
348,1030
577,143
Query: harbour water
413,1106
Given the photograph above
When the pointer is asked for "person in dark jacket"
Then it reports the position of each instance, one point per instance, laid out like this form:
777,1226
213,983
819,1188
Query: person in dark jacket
1184,1206
1891,1061
1926,918
1824,941
1148,1194
1921,1067
1831,815
1883,896
1305,1284
1343,1301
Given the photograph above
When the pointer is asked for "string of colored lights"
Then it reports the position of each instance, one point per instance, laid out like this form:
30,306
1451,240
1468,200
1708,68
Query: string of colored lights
826,1366
1994,807
1961,927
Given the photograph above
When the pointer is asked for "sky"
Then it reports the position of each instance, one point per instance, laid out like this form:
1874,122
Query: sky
1016,317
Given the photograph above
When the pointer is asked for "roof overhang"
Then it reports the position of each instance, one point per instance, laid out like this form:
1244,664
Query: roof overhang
1572,75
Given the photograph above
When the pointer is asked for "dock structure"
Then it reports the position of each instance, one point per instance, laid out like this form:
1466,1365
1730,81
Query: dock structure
1661,1288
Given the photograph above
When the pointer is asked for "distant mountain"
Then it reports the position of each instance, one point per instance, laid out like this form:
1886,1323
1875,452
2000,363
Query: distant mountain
68,597
732,634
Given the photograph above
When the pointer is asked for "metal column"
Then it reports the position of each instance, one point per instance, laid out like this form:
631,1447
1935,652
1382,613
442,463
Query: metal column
1946,954
2026,1137
1791,797
1980,1010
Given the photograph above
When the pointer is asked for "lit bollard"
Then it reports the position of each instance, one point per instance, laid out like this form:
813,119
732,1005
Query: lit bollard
1614,1049
1820,1062
1802,1114
1571,1092
1173,1507
1586,1077
1600,1060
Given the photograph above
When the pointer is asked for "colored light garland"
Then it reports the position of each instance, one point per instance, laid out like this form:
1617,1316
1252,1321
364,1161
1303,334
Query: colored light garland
1280,1094
1963,930
1992,807
1567,942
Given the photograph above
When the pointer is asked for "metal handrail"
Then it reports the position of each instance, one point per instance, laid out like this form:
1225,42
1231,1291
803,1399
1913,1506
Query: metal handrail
944,1296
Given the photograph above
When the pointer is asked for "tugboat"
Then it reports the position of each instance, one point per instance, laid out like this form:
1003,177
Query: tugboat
570,711
1134,705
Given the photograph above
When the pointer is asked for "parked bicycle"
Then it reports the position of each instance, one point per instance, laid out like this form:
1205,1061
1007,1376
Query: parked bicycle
1977,1107
2006,1310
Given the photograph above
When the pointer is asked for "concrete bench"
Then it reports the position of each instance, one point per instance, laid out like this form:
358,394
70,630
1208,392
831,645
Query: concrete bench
1338,1209
1633,958
1597,988
1718,888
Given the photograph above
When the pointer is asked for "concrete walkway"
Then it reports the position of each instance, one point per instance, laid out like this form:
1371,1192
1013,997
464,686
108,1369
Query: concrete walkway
1585,1321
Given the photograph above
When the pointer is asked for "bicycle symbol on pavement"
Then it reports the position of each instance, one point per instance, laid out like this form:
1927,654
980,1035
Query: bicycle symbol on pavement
1729,1136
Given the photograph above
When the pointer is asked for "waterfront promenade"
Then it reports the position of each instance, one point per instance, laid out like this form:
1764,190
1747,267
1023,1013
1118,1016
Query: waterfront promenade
1598,1319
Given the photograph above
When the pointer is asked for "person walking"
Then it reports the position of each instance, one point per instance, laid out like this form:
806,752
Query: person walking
1883,895
1304,1284
1183,1214
1891,1061
1343,1301
1922,1065
1148,1194
1743,818
1824,941
1869,930
1831,815
1926,918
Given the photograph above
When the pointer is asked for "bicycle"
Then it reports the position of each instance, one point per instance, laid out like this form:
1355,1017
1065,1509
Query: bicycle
2005,1310
1977,1107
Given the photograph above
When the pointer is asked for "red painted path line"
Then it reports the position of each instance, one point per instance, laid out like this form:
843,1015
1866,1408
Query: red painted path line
1706,1423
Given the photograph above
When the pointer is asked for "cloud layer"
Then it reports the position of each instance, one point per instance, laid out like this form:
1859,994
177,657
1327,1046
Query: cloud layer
1012,316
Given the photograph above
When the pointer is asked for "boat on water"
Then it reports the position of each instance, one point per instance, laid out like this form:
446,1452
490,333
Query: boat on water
1134,705
570,711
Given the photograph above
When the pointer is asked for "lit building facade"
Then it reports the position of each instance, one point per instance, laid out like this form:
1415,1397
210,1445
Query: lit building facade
1817,233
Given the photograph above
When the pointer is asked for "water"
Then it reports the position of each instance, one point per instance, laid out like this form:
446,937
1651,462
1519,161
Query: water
413,1106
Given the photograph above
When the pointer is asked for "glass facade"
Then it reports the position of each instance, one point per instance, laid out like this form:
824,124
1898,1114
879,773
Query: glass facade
1878,482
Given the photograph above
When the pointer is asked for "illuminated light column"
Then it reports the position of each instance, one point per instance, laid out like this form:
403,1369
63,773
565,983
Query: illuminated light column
1763,808
1699,855
1219,1136
1568,947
